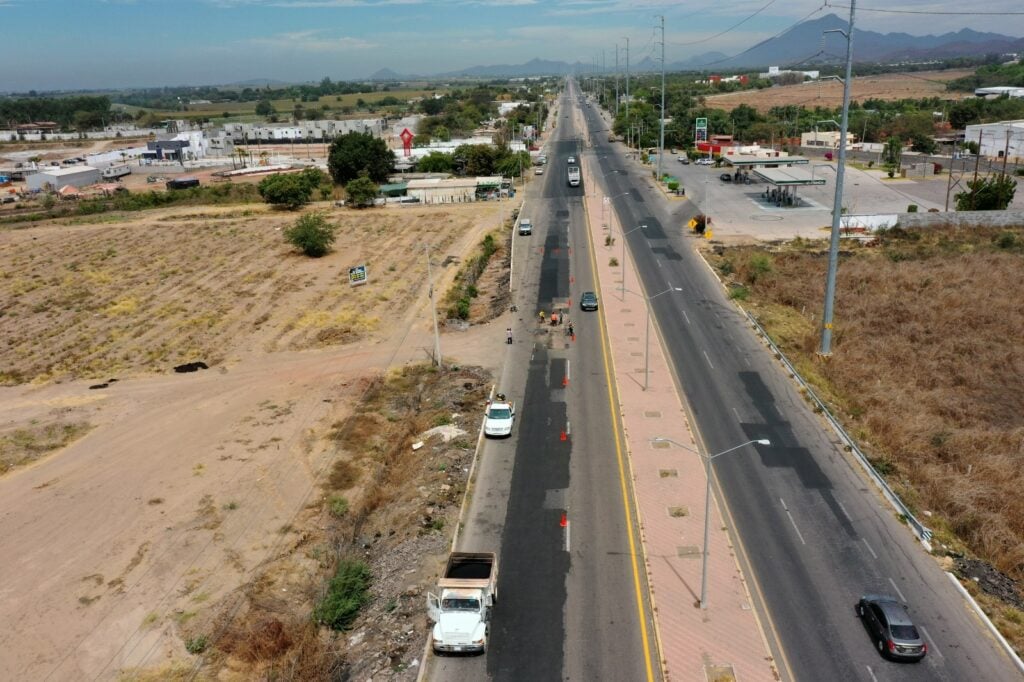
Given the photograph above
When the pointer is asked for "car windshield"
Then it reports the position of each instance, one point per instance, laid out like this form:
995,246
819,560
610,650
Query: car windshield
500,413
589,297
460,605
904,632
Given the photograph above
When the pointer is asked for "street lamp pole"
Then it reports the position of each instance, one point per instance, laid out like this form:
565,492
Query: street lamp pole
707,502
647,330
623,261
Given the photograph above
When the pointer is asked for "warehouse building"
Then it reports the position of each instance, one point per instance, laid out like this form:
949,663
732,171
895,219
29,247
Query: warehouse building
1004,139
52,179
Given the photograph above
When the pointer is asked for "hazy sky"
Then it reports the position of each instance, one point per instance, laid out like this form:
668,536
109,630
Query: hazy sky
70,44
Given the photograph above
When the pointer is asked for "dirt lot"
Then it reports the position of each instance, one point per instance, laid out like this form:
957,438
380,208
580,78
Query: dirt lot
891,86
178,489
926,374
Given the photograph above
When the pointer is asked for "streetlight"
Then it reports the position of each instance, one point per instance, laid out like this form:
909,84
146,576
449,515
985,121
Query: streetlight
623,261
647,327
707,502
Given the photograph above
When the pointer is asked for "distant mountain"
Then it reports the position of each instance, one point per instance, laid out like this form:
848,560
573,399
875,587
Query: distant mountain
386,75
534,67
257,83
807,43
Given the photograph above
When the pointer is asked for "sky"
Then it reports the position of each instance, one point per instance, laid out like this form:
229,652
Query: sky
96,44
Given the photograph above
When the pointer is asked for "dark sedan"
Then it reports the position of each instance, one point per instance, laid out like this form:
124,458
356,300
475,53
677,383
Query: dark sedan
889,624
588,301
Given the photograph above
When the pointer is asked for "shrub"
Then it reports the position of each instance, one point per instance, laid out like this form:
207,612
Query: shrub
673,185
347,593
337,506
613,262
912,208
288,190
1006,240
362,191
739,293
760,264
312,234
196,645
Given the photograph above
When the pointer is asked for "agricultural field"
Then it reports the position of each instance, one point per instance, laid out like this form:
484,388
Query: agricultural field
829,93
146,499
925,374
284,107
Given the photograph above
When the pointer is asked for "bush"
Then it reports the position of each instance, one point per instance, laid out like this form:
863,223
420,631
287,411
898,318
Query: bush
312,234
347,592
613,262
1006,240
196,645
912,208
673,185
362,191
337,506
760,264
286,190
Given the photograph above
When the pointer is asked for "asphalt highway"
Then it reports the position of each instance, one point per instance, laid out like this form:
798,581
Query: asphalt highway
573,597
813,533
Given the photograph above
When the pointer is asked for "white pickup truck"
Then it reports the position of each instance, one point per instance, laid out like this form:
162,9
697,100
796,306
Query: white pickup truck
462,612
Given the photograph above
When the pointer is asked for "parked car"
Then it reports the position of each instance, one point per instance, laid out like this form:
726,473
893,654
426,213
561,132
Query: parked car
725,177
889,624
499,417
705,161
572,160
684,160
588,301
539,170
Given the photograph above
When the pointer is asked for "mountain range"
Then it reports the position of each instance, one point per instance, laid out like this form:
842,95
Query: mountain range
806,44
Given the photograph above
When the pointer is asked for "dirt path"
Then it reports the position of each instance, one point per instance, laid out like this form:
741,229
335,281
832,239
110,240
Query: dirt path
187,481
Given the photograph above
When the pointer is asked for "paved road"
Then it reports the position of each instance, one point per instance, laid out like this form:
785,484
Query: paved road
569,596
815,532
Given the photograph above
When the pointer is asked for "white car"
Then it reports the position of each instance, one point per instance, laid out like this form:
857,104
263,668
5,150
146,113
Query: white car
498,418
539,170
572,160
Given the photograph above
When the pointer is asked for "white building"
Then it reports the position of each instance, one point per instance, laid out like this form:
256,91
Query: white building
829,139
999,91
255,133
775,72
504,108
55,178
996,140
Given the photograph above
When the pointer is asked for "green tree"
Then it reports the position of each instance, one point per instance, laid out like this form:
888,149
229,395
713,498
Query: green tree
893,152
987,194
355,152
435,162
286,189
362,191
923,143
312,234
264,108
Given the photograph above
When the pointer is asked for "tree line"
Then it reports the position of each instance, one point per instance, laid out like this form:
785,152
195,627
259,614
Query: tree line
80,113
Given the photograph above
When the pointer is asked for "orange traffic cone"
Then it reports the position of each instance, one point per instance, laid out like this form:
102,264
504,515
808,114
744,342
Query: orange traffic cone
563,437
564,522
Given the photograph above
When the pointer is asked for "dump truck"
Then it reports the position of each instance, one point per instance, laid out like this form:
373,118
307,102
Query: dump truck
461,612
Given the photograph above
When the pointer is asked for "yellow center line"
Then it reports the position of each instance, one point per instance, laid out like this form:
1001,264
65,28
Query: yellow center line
612,392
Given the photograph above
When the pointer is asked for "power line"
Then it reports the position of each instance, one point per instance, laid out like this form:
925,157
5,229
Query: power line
788,28
731,28
930,12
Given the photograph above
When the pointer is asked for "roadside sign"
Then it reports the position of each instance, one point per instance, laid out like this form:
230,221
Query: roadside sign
357,275
702,123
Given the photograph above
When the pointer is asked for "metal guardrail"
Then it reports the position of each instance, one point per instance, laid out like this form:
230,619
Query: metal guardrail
922,532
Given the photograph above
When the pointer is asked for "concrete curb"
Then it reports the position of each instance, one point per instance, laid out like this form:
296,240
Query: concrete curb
993,630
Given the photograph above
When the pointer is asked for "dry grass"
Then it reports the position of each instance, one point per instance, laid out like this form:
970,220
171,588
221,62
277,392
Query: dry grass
926,370
25,445
173,285
890,86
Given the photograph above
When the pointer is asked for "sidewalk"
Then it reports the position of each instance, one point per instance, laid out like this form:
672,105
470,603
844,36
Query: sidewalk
669,482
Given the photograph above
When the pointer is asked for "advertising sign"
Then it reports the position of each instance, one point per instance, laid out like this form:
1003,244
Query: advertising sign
357,275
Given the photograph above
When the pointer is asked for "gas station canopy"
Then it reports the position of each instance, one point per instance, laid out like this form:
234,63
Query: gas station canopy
788,177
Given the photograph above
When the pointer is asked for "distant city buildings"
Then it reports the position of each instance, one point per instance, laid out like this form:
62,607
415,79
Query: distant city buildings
775,72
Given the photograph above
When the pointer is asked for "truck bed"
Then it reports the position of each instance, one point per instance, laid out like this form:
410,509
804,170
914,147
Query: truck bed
469,570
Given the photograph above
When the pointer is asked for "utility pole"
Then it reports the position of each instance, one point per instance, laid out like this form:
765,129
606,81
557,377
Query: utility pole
433,309
837,205
616,80
627,79
661,135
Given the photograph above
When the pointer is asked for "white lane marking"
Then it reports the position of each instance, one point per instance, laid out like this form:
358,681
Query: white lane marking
871,673
708,359
568,369
898,593
737,413
932,649
568,525
568,427
746,360
847,514
686,317
793,521
865,541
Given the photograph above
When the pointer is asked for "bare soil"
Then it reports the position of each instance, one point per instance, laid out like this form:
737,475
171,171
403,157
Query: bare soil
189,490
925,373
829,93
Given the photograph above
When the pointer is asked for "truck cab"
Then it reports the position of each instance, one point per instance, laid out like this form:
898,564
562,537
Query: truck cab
462,612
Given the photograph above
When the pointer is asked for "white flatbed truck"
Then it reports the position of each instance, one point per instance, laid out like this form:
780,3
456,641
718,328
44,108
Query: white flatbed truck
462,611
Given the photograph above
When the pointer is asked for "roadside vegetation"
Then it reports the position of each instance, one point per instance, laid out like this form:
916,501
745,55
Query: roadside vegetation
30,442
459,300
925,373
368,553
